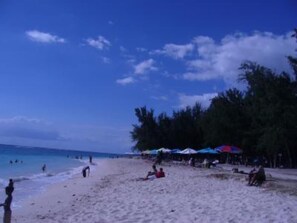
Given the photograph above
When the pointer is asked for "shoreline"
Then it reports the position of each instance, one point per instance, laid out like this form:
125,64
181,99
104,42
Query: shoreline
114,193
28,186
56,195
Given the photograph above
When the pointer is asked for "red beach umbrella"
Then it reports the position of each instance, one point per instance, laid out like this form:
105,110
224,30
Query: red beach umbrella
228,149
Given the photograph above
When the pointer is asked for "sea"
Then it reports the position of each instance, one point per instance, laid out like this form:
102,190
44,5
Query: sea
24,165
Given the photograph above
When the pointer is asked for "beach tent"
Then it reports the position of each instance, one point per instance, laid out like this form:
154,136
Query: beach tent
188,151
207,151
164,150
228,149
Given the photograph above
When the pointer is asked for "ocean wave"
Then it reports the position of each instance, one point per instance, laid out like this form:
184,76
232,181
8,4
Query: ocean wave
48,177
3,182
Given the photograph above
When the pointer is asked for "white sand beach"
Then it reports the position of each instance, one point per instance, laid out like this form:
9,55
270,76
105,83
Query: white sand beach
114,193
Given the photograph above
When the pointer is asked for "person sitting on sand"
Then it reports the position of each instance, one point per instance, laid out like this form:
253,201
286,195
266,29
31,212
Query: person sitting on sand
251,175
84,171
257,176
151,174
192,161
205,163
160,173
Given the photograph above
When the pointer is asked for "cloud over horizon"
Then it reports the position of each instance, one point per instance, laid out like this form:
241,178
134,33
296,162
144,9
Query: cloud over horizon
21,130
43,37
23,127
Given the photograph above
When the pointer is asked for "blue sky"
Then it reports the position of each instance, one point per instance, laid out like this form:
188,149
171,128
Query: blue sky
72,72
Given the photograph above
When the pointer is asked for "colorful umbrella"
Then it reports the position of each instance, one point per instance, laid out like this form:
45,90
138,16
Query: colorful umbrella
164,150
154,152
207,151
174,151
228,149
146,152
188,151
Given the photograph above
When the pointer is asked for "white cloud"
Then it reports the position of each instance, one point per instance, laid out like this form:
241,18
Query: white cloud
100,43
222,60
110,22
191,100
125,81
141,49
160,98
123,49
145,66
140,71
105,60
175,51
43,37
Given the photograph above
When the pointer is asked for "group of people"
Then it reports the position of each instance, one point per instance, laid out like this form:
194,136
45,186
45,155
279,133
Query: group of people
7,210
16,161
154,174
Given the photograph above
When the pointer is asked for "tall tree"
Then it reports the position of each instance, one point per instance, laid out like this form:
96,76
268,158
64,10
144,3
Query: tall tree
225,122
145,134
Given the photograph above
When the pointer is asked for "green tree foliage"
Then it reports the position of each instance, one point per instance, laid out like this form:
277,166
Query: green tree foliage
179,131
293,60
146,133
225,120
271,105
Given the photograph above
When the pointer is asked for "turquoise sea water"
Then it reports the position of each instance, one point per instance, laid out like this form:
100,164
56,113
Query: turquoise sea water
24,166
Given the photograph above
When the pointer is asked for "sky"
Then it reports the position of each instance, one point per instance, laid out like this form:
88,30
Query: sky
73,71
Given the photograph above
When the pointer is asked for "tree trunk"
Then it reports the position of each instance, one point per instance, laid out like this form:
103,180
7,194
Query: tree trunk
274,160
289,155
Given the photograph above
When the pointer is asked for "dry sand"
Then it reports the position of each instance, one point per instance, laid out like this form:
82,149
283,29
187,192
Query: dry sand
114,193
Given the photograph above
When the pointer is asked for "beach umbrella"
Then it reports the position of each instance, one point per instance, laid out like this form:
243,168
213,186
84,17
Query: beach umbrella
228,149
207,151
146,152
164,150
132,153
188,151
175,151
153,152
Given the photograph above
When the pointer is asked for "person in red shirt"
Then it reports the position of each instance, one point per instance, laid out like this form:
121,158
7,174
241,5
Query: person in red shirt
160,173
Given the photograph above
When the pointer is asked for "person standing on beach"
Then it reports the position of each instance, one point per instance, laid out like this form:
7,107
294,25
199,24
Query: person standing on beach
91,159
10,184
84,171
7,203
159,158
43,168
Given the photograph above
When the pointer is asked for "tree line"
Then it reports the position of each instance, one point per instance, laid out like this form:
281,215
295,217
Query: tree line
261,120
